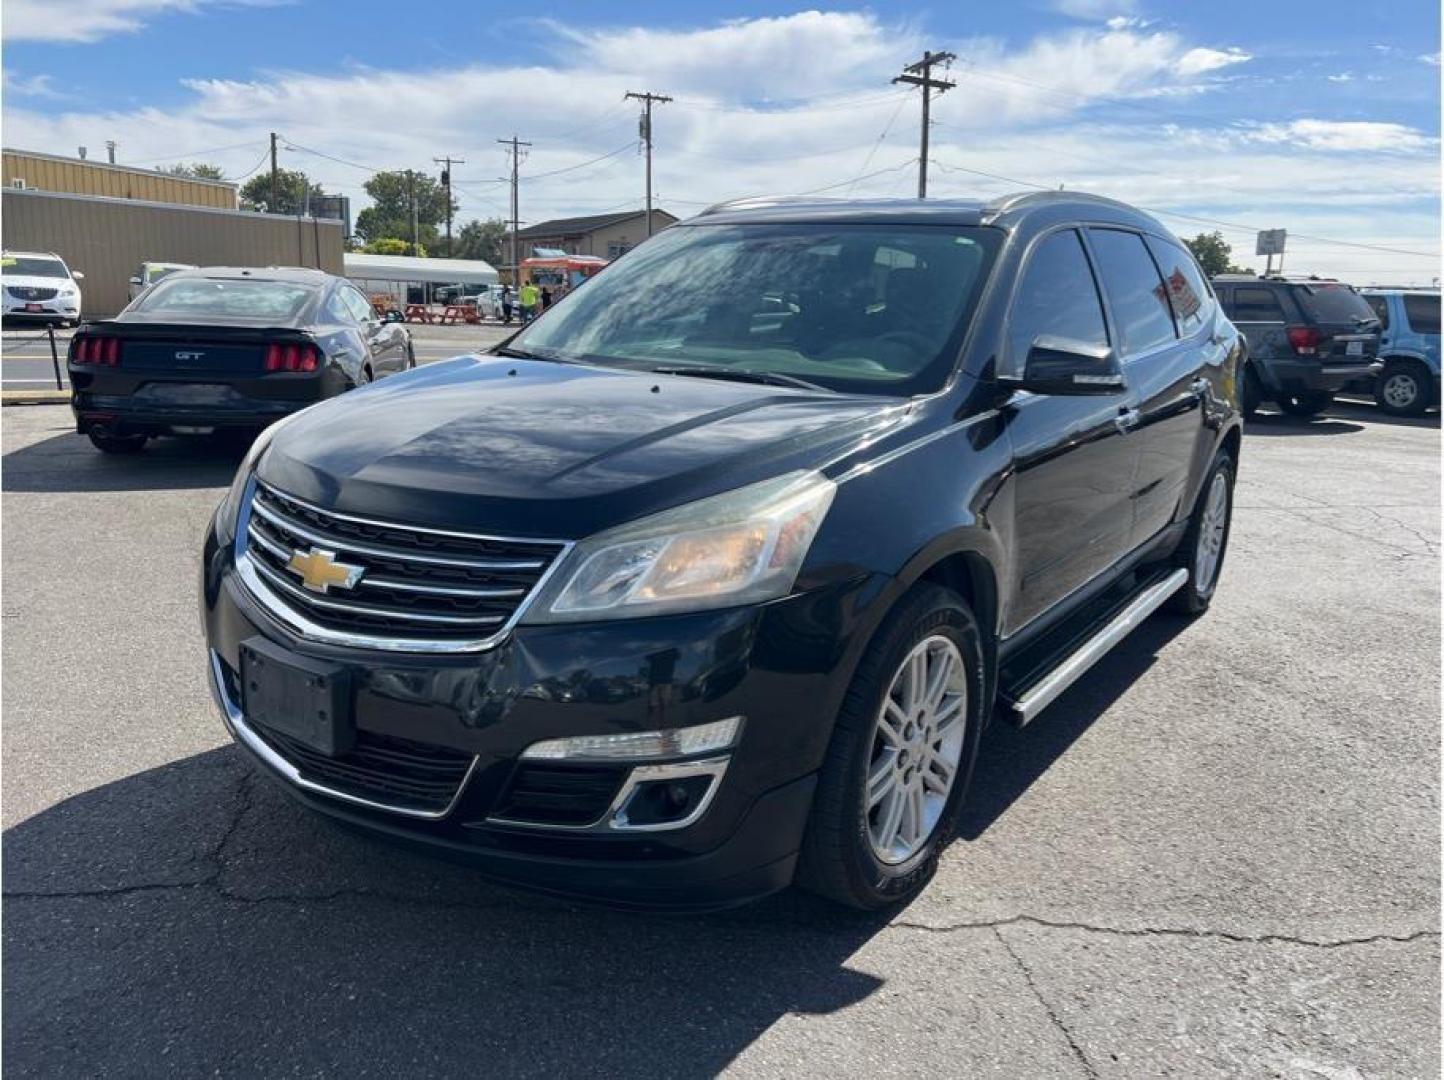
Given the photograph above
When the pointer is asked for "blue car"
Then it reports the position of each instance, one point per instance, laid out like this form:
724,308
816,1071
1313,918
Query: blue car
1409,348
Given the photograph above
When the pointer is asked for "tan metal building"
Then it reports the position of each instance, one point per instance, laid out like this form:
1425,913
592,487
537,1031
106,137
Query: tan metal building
78,176
108,239
606,235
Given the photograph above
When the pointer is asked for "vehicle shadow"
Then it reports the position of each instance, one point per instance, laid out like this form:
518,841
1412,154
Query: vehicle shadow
1365,409
1276,424
1010,759
68,463
192,919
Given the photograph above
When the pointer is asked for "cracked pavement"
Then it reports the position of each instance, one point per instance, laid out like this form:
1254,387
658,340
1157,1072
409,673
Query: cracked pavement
1216,855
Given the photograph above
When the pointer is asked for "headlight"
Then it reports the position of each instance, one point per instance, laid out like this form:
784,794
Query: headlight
741,547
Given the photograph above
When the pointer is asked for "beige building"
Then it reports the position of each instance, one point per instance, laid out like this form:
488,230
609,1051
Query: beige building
108,239
604,235
77,176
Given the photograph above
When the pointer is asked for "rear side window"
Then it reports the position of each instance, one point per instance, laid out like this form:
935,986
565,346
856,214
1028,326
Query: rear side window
1380,304
1185,283
1423,312
1057,297
1331,303
1256,305
1136,293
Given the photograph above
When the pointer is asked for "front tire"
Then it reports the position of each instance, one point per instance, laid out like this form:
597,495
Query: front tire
900,758
117,444
1204,545
1308,404
1403,388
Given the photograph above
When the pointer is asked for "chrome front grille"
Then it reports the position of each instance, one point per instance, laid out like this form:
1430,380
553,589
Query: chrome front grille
31,292
411,588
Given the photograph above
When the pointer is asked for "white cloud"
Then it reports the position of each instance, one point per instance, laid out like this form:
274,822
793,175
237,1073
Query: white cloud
34,86
91,20
1370,136
1098,10
1341,77
1430,58
1198,61
737,127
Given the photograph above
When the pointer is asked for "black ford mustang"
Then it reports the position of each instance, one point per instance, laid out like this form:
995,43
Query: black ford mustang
226,348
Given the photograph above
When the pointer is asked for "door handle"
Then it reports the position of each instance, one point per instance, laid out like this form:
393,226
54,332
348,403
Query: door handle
1127,419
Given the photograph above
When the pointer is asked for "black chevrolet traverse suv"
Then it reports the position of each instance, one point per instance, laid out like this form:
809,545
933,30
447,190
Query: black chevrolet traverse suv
710,579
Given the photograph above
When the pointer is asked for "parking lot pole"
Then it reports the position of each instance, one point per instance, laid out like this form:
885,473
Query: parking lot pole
54,355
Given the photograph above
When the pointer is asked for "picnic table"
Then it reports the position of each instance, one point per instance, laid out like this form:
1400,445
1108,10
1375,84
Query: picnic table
421,313
455,313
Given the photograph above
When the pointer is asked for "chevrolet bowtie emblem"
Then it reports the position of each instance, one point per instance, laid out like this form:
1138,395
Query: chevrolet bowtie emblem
319,570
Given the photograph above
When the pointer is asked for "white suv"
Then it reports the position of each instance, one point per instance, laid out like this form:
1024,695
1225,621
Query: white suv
39,287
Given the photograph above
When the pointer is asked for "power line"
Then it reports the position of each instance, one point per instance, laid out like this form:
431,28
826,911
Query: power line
256,167
886,128
825,104
920,74
582,165
857,179
201,153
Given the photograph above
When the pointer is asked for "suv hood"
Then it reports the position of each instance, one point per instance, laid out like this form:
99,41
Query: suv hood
534,448
29,281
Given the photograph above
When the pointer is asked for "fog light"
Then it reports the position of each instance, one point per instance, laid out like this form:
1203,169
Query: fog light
639,745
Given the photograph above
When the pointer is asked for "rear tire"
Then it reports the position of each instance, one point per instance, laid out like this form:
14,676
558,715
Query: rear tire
890,755
1309,403
1206,542
1252,396
1403,388
117,444
410,356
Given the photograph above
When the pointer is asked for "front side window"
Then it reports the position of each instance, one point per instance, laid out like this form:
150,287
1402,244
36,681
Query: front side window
857,308
1136,293
1256,305
1423,312
1056,297
238,298
1184,280
357,304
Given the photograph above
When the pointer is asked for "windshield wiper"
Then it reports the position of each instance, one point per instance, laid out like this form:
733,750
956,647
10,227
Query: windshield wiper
769,378
522,354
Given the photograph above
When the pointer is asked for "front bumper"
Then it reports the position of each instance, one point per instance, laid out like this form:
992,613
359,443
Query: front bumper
777,665
51,311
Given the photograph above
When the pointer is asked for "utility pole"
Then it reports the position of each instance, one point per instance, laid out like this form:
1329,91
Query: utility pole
647,98
516,145
921,75
275,206
447,163
415,224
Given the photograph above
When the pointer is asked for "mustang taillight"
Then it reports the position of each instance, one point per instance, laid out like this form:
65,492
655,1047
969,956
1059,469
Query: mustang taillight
291,356
92,349
1305,340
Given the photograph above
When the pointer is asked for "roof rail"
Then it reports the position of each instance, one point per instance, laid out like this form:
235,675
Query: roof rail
756,202
1004,203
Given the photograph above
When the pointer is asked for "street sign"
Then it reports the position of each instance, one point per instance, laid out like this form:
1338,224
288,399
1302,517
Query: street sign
1271,242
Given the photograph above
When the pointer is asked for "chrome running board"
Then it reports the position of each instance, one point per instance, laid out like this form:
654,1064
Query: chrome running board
1042,693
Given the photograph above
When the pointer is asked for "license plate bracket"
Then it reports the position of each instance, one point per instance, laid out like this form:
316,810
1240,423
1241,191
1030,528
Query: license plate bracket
306,699
34,307
1355,348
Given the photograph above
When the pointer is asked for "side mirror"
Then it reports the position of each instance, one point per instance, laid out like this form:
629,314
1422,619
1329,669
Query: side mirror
77,275
1058,365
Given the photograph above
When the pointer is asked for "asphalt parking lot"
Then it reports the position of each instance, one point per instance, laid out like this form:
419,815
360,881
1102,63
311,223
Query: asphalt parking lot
1217,854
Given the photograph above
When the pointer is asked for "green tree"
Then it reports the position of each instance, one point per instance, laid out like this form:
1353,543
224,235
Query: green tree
389,245
1214,254
392,195
291,188
196,170
483,240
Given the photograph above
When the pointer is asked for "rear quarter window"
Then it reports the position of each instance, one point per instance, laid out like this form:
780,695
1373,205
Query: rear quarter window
1186,288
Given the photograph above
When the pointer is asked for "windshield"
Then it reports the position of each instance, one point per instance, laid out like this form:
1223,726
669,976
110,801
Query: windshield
855,308
1333,303
32,266
277,300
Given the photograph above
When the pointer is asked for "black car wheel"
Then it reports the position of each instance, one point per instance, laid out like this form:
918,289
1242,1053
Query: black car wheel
410,356
1204,545
1308,403
1252,396
1402,389
900,758
117,444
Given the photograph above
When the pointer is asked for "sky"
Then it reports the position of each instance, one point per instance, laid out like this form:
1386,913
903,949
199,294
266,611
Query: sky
1318,116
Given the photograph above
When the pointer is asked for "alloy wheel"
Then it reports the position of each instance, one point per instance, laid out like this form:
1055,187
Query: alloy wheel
1399,390
917,747
1211,530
